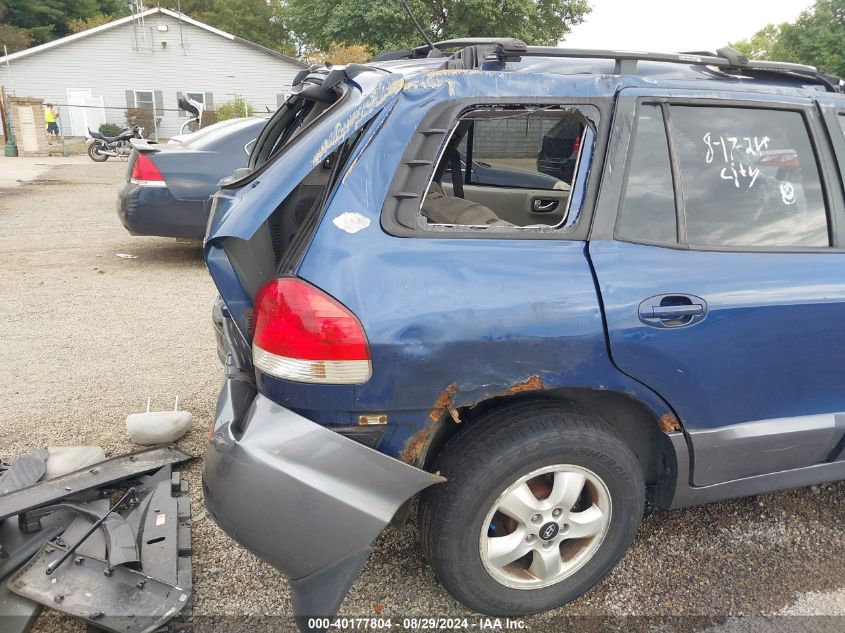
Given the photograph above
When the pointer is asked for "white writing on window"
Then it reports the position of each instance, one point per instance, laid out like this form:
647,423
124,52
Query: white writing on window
734,154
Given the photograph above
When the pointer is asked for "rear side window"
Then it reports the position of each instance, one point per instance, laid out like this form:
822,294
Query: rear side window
536,151
508,168
647,213
749,178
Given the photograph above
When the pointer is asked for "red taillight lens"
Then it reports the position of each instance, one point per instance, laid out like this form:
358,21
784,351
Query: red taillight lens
301,333
781,160
145,170
576,146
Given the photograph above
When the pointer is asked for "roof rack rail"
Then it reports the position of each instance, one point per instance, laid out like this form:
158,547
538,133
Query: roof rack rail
474,50
835,82
725,58
738,60
626,61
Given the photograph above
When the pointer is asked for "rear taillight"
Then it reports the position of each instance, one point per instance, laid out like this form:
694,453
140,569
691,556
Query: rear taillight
576,145
303,334
145,172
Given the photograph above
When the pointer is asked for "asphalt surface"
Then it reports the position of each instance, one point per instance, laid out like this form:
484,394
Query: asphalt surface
89,335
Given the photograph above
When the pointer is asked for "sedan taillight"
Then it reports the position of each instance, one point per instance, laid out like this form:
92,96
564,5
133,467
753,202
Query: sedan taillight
145,172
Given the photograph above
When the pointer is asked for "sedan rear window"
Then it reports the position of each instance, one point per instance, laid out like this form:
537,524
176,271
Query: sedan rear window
212,137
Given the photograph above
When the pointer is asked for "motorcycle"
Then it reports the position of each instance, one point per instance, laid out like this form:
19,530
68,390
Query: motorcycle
100,147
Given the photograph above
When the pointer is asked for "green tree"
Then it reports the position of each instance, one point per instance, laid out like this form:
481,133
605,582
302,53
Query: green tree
83,24
762,45
259,21
815,38
384,25
29,22
13,38
236,108
354,54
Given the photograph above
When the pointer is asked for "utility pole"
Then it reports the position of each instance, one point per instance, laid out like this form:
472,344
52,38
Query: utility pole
11,148
6,113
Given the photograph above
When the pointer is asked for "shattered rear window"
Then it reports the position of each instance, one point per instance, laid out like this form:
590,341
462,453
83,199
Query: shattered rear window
294,116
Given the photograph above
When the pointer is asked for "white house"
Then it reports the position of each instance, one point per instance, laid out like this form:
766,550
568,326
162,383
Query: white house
147,60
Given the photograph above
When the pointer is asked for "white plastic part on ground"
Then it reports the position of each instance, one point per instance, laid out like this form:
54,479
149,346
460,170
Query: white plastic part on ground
157,427
66,459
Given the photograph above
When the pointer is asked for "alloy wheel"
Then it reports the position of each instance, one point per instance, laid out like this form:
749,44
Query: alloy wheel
545,526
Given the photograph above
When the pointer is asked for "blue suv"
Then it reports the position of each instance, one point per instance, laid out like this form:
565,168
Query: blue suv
536,356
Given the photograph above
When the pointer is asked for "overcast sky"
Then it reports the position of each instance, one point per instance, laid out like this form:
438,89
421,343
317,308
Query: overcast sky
677,25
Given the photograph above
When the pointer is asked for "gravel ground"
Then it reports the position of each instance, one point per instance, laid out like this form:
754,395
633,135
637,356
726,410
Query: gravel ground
88,336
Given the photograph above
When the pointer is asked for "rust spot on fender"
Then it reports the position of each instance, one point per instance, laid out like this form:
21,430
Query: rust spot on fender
416,445
534,383
443,402
668,423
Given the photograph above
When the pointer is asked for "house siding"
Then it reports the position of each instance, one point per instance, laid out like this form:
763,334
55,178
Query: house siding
126,58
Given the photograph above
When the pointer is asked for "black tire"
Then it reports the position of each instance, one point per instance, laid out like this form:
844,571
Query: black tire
482,461
95,154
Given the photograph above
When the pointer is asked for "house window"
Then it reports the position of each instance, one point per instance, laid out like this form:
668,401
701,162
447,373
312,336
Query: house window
144,99
204,99
199,97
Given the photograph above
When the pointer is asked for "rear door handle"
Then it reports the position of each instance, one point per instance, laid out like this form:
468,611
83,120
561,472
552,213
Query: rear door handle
672,310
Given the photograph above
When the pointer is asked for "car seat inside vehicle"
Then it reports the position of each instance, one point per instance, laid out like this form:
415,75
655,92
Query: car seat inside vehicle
496,170
442,207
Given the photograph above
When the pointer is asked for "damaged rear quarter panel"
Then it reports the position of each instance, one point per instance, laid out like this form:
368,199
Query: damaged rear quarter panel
460,319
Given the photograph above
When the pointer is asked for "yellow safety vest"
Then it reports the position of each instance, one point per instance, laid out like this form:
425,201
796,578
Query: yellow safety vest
49,117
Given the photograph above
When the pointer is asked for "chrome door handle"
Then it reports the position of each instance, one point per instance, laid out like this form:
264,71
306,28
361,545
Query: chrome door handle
540,205
672,310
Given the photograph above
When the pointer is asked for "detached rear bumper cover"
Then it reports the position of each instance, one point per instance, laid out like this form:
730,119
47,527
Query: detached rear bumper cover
305,499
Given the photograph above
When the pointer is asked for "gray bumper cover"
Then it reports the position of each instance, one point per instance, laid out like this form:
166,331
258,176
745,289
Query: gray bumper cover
305,499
